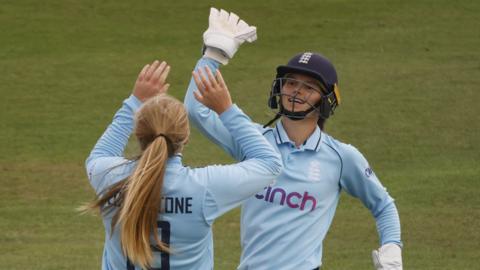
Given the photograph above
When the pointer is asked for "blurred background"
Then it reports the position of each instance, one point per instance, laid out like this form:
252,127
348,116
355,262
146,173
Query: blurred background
409,75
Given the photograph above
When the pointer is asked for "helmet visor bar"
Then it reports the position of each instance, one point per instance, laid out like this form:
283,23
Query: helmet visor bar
295,94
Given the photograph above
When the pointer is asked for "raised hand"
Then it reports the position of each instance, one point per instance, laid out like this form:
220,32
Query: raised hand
212,90
226,32
152,81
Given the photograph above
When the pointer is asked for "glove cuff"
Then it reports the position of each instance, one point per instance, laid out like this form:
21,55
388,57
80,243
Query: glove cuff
216,54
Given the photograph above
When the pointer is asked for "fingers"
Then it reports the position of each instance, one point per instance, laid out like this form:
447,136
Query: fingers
151,69
211,78
160,75
142,73
212,91
233,19
223,15
204,80
158,71
199,97
251,34
248,33
242,25
213,15
198,82
220,79
164,89
152,81
207,83
164,75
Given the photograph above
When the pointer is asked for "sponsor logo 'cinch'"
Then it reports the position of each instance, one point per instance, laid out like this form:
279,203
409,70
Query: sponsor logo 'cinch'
292,199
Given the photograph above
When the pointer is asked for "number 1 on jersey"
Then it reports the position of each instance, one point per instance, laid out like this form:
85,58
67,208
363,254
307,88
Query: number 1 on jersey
165,238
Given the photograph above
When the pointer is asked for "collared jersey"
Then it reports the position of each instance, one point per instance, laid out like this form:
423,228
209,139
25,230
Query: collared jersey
191,198
283,226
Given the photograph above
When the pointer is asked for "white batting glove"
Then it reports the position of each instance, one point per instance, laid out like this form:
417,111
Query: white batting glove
388,257
225,33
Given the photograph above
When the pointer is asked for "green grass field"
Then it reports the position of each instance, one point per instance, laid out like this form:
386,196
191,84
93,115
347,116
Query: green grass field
409,76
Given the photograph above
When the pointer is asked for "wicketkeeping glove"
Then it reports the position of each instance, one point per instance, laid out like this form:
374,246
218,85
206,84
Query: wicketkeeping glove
388,257
226,32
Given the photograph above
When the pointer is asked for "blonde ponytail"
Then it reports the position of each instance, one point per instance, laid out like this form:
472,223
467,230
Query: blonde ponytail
162,129
138,216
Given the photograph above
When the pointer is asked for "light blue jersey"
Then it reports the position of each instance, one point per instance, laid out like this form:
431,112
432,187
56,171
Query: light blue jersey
192,198
283,226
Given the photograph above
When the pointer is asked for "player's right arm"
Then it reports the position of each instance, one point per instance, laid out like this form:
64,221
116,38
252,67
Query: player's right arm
106,164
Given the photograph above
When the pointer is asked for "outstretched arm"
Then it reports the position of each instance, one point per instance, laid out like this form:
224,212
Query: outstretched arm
103,163
206,120
226,32
225,189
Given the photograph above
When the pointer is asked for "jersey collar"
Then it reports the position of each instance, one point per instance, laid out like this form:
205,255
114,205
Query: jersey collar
312,143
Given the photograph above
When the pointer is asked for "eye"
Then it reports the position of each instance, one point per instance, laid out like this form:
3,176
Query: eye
291,83
310,88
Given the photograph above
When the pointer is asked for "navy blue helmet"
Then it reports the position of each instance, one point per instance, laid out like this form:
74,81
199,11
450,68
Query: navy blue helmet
313,65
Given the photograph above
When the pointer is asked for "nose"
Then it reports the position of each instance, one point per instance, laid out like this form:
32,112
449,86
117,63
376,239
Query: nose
298,90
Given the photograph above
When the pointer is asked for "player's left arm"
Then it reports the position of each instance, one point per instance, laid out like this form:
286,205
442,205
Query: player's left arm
359,180
225,33
206,120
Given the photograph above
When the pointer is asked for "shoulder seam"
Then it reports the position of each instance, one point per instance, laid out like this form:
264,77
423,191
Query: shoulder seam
340,157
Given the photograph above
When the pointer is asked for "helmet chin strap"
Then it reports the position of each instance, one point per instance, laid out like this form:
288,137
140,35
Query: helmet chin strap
295,115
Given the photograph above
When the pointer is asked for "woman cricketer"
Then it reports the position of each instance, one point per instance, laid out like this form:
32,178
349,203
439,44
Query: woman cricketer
157,213
283,226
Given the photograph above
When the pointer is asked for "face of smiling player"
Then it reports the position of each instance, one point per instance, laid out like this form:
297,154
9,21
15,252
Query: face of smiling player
300,92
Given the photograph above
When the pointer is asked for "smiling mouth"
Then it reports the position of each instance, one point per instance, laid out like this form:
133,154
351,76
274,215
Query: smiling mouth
296,100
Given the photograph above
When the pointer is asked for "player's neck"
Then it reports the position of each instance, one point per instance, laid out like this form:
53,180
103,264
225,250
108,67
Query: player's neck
299,131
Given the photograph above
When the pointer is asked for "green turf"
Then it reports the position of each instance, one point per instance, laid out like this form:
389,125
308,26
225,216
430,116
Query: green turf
409,73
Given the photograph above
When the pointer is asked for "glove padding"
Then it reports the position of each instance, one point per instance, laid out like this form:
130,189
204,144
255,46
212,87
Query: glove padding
226,32
388,257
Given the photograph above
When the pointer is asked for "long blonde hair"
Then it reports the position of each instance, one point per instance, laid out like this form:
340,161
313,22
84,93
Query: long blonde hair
161,128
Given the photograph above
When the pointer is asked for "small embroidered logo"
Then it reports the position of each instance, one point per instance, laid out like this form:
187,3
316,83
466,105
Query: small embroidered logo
314,171
305,58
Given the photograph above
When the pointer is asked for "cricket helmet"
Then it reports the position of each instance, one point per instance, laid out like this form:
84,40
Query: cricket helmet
313,65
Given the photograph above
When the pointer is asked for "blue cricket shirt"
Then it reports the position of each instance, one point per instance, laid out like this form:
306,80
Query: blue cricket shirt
192,198
283,226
